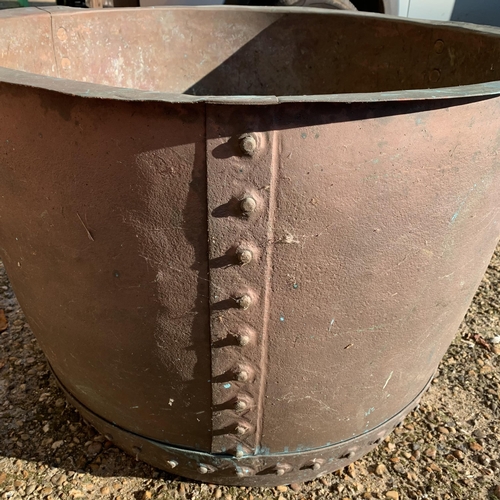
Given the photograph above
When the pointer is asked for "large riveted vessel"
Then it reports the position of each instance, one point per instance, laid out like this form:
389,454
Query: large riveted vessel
244,237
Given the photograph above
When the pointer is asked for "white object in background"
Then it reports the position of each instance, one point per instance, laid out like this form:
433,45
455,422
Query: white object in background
439,10
397,7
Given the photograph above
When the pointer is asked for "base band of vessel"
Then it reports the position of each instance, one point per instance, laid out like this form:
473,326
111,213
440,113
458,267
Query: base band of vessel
254,470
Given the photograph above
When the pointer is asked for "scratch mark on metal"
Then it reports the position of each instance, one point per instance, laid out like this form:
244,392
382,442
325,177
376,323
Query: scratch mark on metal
89,234
387,381
331,324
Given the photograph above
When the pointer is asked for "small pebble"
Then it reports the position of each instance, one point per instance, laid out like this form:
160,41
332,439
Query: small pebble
282,488
399,468
94,448
475,446
435,467
393,495
380,470
351,470
411,476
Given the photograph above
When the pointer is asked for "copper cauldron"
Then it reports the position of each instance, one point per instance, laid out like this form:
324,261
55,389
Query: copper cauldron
245,237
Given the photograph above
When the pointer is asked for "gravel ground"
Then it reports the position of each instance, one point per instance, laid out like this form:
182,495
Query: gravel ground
447,449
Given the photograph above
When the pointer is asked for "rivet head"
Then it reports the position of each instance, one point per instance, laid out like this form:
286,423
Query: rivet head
248,205
62,34
245,471
434,76
244,302
244,255
439,46
172,463
242,375
240,405
65,63
202,469
243,340
241,430
248,144
282,468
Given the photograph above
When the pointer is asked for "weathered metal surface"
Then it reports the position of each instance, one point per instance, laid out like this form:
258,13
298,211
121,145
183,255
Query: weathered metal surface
266,469
241,291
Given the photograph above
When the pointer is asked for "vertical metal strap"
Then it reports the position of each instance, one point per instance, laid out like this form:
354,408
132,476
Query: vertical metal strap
241,197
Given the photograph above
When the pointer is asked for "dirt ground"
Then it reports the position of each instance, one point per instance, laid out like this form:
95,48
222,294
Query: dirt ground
448,449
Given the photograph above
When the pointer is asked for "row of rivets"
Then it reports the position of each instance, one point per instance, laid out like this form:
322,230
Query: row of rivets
239,197
248,144
280,468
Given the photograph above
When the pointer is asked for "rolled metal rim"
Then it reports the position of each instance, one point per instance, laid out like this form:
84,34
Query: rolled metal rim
84,89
